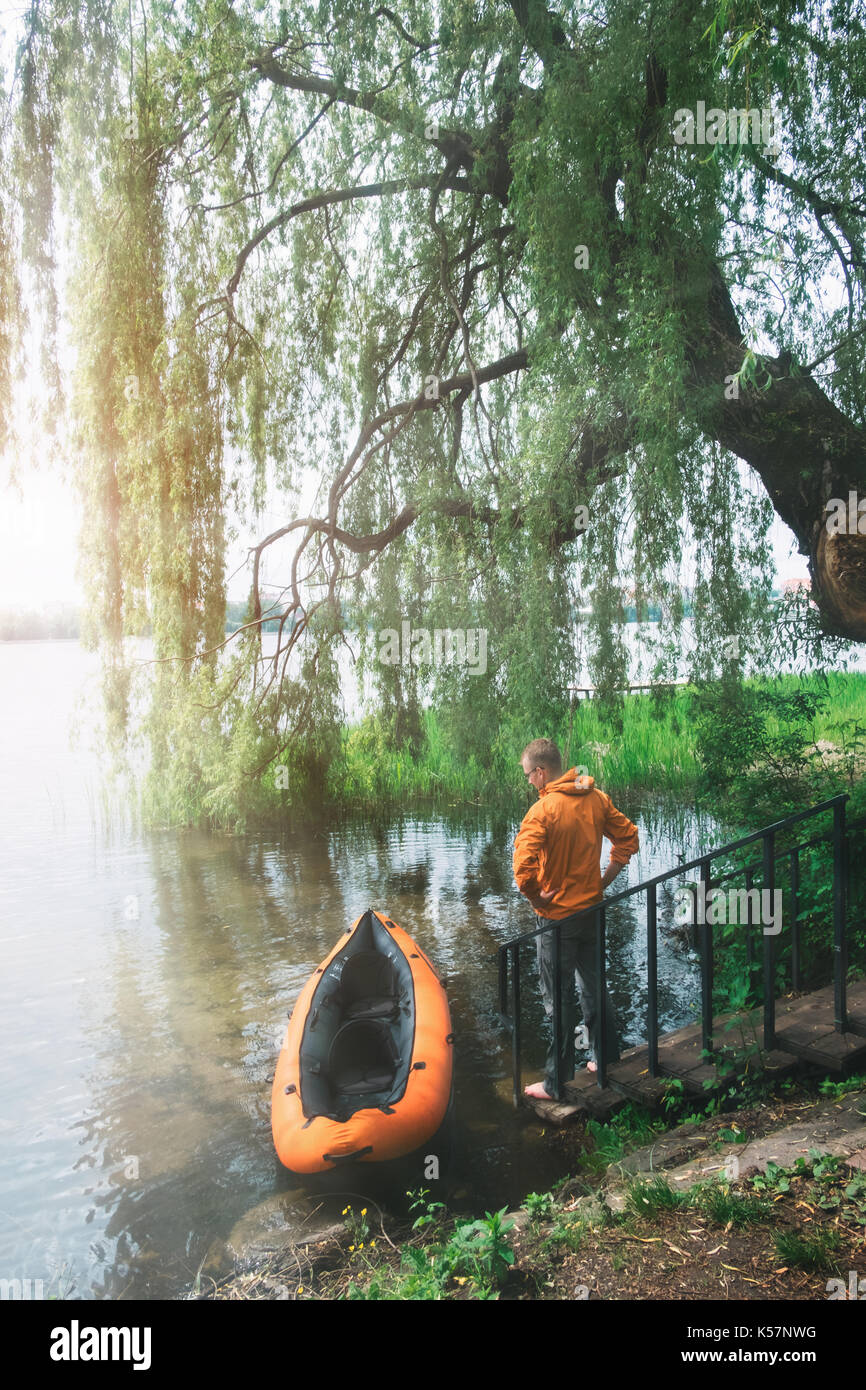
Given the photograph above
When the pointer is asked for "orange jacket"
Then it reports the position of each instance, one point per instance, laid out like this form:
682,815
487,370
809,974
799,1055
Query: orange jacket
558,845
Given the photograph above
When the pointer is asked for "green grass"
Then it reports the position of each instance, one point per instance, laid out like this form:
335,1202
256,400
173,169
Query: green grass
808,1252
725,1207
457,760
654,747
476,1256
628,1129
649,1197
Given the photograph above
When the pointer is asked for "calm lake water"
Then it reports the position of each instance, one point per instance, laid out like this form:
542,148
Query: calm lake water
145,985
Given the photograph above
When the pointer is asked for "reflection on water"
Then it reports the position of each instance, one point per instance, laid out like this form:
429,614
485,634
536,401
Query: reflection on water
145,985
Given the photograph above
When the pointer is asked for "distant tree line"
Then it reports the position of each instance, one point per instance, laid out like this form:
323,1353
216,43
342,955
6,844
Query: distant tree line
238,613
37,624
62,620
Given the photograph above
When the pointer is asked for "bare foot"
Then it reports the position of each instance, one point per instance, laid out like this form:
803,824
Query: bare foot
537,1091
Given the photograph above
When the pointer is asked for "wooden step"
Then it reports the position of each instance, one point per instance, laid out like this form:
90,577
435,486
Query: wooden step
805,1034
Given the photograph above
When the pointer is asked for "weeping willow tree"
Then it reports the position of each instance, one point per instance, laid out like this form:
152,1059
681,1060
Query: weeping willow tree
507,309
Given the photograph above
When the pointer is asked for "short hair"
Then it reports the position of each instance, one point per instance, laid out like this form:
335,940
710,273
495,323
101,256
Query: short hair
543,752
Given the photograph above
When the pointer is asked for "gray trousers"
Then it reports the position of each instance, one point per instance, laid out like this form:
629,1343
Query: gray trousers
577,968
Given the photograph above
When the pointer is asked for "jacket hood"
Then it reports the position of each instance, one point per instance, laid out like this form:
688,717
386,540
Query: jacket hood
570,784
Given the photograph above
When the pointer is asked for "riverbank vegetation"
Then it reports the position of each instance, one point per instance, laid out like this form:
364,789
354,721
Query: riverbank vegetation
792,735
747,750
783,1231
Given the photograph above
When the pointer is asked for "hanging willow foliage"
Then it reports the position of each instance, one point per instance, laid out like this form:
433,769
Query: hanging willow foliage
444,287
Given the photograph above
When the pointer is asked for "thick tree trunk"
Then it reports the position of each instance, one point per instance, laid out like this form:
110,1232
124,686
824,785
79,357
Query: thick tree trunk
799,443
803,448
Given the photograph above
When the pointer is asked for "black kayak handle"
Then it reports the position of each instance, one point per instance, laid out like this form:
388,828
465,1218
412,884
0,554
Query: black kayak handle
347,1158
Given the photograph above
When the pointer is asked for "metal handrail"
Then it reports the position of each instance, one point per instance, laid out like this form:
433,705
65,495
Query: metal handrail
767,835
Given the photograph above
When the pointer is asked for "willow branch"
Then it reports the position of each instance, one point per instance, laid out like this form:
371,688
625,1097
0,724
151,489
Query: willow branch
453,144
322,200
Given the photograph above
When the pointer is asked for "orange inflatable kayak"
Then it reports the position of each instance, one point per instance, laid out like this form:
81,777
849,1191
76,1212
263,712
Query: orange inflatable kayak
365,1071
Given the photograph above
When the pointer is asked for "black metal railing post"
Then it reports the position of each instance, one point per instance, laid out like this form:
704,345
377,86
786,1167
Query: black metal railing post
705,938
768,885
515,1020
840,945
750,945
652,980
601,1059
795,923
503,980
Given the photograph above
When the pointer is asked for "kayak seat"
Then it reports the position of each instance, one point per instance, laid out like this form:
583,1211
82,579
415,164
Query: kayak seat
373,1008
368,987
367,1084
366,975
362,1058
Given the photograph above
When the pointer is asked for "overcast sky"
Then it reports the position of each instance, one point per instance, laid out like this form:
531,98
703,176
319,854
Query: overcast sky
39,537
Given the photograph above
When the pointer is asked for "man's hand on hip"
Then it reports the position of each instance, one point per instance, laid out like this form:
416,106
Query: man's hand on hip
540,903
610,873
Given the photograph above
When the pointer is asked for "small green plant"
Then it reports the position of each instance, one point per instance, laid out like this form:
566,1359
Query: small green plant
836,1089
734,1066
696,1117
431,1212
631,1127
734,1135
809,1252
475,1260
673,1096
855,1193
824,1166
567,1233
539,1205
481,1249
775,1179
357,1227
609,1144
420,1277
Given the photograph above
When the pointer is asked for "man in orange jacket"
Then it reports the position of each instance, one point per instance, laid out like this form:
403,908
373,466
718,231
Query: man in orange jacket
557,855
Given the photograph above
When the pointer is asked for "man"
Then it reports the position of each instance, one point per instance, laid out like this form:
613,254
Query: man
557,855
